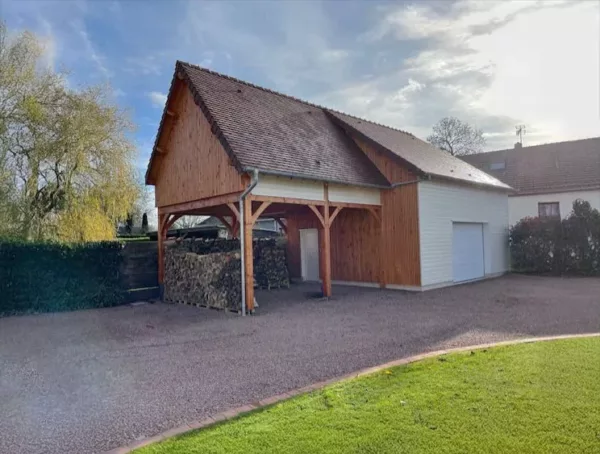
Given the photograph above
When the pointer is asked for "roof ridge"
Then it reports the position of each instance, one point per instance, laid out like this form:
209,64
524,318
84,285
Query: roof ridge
278,93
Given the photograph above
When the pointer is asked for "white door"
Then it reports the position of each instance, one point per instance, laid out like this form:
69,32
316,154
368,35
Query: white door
467,251
309,254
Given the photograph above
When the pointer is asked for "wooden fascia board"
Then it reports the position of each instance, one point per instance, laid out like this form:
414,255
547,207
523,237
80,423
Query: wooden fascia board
149,171
352,131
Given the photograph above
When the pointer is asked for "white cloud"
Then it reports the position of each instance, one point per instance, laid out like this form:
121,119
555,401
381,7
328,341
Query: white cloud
301,54
492,64
90,50
157,98
146,65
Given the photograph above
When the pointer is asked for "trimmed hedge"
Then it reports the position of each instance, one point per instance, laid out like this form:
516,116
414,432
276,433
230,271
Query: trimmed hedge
52,277
555,246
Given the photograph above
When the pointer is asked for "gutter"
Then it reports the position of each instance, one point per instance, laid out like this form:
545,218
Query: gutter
402,183
247,191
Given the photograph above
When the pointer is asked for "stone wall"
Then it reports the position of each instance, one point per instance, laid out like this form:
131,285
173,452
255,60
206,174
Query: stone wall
208,272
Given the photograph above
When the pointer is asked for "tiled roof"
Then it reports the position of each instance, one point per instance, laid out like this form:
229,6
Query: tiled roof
272,132
417,153
275,133
553,167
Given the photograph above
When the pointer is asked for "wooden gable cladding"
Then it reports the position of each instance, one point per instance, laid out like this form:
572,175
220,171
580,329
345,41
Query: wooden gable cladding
400,219
193,164
389,167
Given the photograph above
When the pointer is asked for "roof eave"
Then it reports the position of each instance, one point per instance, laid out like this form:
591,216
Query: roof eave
502,188
299,176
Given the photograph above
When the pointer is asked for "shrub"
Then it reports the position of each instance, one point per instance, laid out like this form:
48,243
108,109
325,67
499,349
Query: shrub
49,277
568,246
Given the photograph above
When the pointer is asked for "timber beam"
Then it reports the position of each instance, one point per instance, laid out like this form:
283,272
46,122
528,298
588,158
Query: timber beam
281,224
190,207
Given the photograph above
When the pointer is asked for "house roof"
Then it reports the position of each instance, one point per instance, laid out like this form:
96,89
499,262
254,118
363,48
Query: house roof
548,168
420,155
275,133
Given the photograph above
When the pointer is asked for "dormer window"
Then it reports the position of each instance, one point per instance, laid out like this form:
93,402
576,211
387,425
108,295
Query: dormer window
498,165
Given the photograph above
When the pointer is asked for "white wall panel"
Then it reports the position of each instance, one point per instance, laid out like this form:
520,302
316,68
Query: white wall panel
354,194
273,186
441,204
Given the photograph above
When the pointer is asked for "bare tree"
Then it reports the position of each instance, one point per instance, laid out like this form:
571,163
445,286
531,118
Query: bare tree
457,138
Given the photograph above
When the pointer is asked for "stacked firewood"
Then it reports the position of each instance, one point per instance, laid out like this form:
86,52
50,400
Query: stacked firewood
211,280
270,265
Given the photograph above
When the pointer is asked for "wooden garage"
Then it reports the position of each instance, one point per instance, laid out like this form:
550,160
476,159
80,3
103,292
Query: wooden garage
364,203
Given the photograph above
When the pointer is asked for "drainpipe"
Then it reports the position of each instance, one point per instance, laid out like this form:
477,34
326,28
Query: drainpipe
247,191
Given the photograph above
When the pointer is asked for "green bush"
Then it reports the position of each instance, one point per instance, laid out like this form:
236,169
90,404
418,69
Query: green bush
52,277
555,246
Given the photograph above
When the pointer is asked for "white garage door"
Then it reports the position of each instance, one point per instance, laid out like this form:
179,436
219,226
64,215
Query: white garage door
467,251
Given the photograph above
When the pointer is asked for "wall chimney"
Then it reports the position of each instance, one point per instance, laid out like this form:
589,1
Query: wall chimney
518,145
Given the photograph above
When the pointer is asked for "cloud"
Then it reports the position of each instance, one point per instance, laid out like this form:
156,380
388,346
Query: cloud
146,65
89,49
285,45
492,64
157,98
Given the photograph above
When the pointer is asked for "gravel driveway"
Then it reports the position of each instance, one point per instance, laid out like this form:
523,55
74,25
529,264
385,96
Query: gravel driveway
93,380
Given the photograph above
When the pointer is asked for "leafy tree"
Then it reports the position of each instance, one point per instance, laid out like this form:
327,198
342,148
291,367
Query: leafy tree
66,160
457,138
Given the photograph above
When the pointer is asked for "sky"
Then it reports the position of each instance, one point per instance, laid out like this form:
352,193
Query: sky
404,64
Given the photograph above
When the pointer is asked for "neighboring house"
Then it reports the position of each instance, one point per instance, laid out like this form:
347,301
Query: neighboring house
262,227
547,178
363,203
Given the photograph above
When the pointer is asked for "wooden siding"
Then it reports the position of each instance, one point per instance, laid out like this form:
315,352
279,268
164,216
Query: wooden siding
294,224
354,244
355,247
400,219
389,167
194,164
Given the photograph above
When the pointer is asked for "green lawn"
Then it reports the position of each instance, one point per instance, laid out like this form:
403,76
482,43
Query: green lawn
530,398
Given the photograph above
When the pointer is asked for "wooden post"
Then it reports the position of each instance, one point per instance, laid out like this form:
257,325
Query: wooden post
326,246
235,220
161,233
248,254
382,253
378,215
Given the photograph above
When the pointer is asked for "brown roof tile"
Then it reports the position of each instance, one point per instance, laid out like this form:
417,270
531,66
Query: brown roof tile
553,167
275,133
419,154
280,134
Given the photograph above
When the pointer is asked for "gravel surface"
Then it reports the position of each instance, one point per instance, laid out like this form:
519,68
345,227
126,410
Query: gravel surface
89,381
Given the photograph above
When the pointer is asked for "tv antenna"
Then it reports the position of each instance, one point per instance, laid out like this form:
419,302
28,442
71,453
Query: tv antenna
521,130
